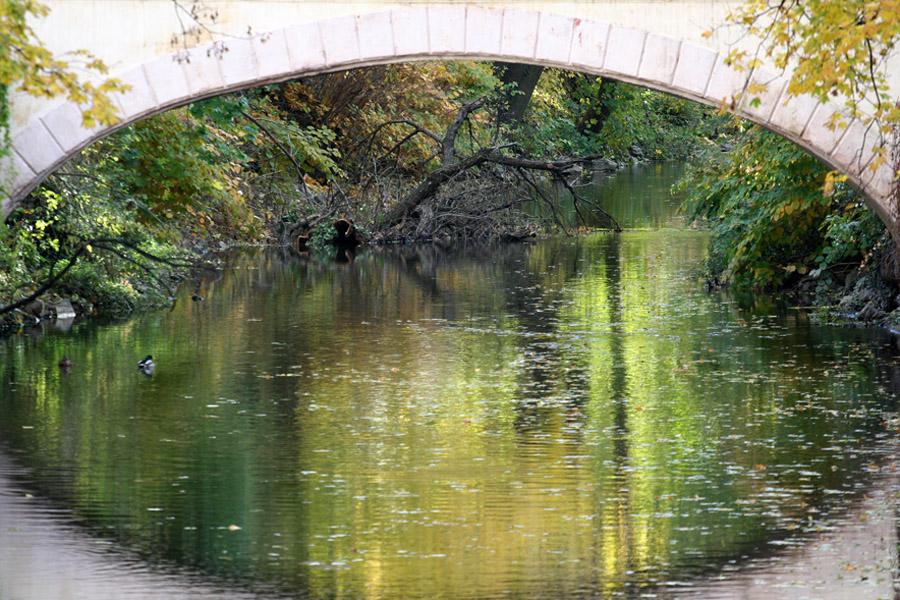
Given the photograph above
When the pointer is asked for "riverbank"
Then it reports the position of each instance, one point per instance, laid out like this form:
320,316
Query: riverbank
112,281
433,155
862,293
865,294
783,225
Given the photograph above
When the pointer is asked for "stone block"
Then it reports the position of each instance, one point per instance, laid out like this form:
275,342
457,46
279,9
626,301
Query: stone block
759,105
37,148
554,39
340,41
870,176
202,69
7,174
694,69
140,99
304,43
660,59
6,206
853,151
273,60
519,38
589,44
879,186
792,115
63,309
167,80
817,134
726,84
410,32
624,50
446,29
376,35
484,27
238,64
23,179
64,124
872,140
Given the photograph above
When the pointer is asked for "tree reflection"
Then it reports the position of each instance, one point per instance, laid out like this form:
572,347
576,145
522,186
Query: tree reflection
559,419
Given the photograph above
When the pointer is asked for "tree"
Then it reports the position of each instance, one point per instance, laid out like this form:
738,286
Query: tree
837,50
518,83
771,223
453,164
27,65
778,214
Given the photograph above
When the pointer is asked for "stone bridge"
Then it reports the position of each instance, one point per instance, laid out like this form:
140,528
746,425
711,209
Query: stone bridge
246,43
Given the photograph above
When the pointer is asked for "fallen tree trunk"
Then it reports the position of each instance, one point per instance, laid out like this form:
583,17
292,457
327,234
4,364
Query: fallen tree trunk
432,183
467,198
346,234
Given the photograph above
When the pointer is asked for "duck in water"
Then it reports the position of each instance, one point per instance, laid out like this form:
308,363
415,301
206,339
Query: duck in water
147,365
65,364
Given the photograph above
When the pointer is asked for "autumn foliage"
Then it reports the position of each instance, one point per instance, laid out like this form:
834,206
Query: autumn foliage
834,51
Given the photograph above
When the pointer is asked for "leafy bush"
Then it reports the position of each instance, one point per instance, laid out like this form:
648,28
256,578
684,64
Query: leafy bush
770,214
91,237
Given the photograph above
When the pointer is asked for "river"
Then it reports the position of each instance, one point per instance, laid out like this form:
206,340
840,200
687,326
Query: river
569,418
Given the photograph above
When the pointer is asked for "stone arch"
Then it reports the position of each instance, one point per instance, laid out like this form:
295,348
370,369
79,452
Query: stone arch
459,32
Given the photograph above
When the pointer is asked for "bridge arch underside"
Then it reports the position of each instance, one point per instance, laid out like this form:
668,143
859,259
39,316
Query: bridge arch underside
447,33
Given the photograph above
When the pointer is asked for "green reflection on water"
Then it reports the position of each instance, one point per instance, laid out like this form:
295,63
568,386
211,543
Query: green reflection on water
639,197
570,417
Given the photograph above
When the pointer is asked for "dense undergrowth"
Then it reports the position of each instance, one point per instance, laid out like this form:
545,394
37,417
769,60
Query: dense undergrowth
781,224
120,224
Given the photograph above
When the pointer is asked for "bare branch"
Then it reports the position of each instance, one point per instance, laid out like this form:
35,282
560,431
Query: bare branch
88,246
448,144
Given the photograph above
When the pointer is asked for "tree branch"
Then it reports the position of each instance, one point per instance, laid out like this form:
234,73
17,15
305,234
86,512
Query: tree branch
448,144
46,285
432,182
300,174
103,243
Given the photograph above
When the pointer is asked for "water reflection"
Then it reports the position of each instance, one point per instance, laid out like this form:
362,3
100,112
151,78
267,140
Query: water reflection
573,418
45,555
639,197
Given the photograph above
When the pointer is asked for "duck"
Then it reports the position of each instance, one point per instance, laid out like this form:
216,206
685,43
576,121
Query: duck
65,363
147,365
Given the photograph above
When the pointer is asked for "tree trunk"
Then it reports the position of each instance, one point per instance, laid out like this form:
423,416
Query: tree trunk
345,234
519,82
432,183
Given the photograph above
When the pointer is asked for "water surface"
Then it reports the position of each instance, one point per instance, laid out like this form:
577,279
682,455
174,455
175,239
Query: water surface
569,418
